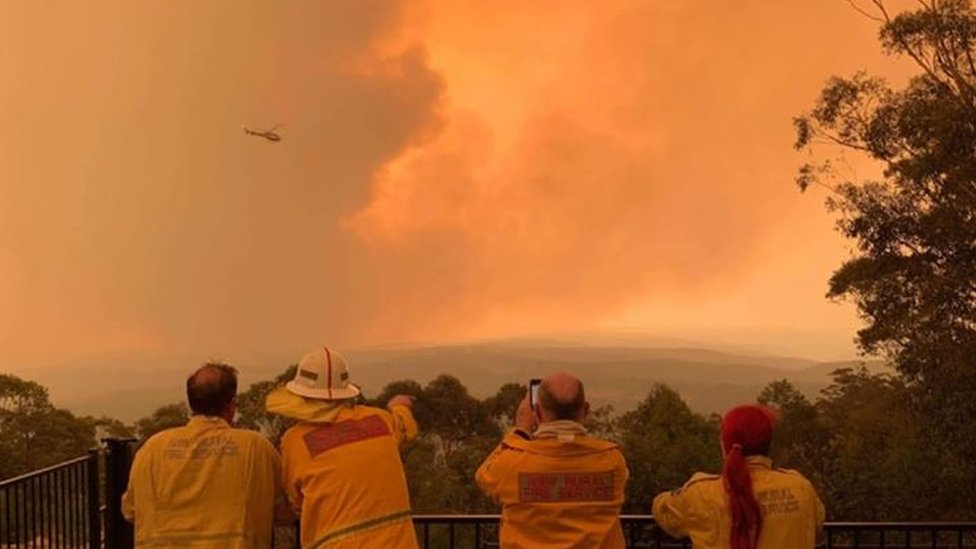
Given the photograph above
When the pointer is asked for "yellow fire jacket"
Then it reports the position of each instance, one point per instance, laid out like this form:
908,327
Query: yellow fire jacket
559,491
344,477
793,514
204,486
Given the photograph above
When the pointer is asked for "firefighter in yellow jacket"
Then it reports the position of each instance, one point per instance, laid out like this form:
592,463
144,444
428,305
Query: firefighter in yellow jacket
558,487
205,485
341,464
750,505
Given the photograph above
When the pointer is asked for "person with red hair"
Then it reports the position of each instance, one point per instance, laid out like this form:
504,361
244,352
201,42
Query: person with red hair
750,505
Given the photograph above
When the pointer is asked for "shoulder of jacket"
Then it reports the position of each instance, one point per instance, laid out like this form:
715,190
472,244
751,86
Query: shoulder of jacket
697,480
795,477
297,430
616,453
513,441
244,433
792,472
594,445
162,437
364,410
603,444
253,437
700,477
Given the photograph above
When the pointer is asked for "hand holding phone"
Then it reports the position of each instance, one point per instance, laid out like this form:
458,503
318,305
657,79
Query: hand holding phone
534,384
525,415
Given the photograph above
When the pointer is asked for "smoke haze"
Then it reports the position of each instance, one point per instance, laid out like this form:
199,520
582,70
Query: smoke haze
448,171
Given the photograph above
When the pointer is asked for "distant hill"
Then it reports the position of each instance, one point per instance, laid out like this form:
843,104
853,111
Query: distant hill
710,381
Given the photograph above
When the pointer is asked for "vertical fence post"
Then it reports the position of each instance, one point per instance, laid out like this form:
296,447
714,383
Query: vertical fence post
118,460
94,501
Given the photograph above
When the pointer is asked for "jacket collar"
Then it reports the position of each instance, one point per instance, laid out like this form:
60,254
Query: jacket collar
208,421
283,402
546,441
759,462
564,430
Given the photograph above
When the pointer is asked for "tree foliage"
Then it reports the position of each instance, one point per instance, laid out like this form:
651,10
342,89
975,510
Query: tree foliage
455,416
251,411
913,276
800,436
868,450
457,432
109,427
34,433
165,417
664,443
502,406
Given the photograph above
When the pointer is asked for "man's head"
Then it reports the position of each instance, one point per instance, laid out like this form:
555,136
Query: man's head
561,397
211,390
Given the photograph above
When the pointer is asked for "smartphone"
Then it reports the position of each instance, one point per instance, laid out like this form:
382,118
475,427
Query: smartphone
534,384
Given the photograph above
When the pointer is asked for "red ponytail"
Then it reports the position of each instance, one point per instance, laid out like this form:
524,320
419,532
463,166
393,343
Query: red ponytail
746,431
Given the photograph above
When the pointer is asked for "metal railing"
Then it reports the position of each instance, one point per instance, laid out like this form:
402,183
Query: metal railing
59,507
54,507
641,532
118,459
481,532
900,535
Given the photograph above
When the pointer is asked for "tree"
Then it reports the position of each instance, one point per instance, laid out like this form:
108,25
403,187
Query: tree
404,387
602,422
877,444
455,415
165,417
506,401
800,436
456,433
21,396
252,413
664,443
33,433
106,427
913,276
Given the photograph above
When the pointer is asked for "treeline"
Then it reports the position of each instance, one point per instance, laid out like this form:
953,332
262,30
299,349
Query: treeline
870,456
35,434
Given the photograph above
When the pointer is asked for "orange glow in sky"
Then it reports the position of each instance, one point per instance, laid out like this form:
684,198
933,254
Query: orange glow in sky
448,170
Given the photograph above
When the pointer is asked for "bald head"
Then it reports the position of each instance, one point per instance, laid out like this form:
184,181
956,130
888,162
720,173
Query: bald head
561,397
211,389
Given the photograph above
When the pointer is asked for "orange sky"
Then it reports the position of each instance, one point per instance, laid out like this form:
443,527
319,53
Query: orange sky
449,170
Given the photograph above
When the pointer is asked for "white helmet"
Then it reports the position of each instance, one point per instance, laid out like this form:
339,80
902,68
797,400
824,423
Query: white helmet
323,374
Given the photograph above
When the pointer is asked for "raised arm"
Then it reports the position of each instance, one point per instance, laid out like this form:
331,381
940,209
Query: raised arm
404,425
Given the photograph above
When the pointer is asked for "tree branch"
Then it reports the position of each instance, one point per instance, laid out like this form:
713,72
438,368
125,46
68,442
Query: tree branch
830,188
864,12
832,140
969,58
880,5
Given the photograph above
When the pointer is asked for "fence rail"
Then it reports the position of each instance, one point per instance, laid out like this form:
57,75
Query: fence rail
900,535
60,507
641,532
53,507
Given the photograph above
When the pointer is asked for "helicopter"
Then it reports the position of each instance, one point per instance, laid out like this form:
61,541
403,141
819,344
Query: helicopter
268,134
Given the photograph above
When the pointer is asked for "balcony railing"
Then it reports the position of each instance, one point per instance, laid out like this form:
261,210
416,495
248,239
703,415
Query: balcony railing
481,531
640,532
53,507
898,535
60,507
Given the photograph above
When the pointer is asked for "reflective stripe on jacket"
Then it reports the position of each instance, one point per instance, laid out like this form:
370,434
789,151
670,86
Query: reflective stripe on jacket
556,492
203,486
792,512
346,480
